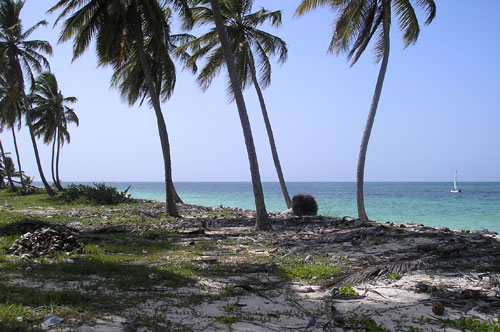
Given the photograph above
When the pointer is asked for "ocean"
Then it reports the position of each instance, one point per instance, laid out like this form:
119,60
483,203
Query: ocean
477,207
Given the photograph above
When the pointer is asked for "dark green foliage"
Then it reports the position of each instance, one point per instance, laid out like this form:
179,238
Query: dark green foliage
97,194
304,205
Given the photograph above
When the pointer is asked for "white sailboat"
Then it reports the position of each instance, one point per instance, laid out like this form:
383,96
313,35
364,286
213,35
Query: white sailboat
455,188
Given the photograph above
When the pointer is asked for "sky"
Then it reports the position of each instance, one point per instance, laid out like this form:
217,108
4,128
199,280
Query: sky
439,111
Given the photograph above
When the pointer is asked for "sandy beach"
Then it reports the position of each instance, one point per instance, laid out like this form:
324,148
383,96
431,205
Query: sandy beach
308,274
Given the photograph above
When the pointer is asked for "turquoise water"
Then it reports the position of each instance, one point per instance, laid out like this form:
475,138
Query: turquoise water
430,203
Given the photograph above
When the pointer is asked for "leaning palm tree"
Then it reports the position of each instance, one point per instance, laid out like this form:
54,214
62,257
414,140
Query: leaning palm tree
251,47
20,58
262,221
121,29
51,117
357,23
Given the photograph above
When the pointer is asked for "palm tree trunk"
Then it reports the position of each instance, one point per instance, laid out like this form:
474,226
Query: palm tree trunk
18,159
7,170
262,221
270,135
171,208
58,181
52,160
27,107
371,117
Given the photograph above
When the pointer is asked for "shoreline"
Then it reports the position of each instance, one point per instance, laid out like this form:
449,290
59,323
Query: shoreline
475,208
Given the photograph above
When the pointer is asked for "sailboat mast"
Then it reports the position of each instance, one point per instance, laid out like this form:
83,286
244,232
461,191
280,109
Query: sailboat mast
455,181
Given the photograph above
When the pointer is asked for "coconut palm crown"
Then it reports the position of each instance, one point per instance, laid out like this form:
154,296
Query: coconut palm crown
250,46
359,21
356,24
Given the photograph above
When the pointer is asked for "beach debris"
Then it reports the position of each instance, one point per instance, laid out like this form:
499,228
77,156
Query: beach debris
51,321
438,308
286,213
304,205
125,193
44,242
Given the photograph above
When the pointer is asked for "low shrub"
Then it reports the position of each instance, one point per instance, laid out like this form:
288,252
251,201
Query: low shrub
304,205
99,194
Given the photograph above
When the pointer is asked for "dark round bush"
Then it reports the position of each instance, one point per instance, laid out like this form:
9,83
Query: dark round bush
304,205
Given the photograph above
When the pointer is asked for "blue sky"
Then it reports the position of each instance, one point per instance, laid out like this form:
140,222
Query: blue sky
439,111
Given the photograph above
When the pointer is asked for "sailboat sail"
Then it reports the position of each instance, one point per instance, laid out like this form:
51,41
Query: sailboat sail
455,188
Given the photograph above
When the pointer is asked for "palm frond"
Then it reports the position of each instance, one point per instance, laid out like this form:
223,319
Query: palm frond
408,21
308,5
429,7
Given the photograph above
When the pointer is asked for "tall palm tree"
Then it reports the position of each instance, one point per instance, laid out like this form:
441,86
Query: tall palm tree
124,29
21,57
357,23
51,117
4,104
250,47
11,111
262,221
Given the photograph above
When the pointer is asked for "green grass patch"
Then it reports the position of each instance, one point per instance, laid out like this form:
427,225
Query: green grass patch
113,272
295,268
471,324
27,296
9,314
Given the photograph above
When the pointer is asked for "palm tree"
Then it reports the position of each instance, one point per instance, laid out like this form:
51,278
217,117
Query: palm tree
20,57
262,221
250,47
8,167
4,103
51,117
11,114
124,30
357,23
